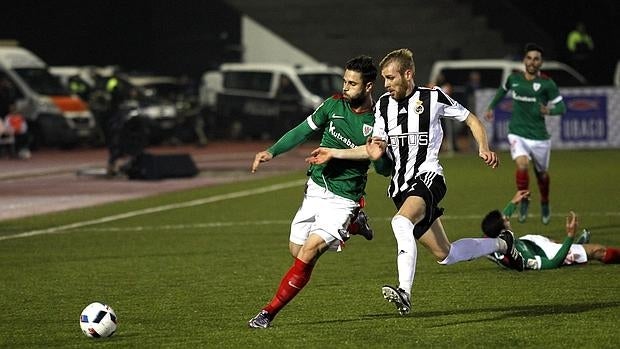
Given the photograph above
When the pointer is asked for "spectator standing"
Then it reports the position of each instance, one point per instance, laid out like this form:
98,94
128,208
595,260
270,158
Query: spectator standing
118,91
580,46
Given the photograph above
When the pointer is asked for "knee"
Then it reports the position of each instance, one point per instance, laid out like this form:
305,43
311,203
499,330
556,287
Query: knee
597,252
311,251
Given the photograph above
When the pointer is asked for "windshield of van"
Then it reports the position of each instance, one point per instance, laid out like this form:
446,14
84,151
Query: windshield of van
42,82
244,80
489,77
323,85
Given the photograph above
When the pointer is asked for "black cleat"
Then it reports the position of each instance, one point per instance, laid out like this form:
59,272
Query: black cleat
261,320
399,297
514,257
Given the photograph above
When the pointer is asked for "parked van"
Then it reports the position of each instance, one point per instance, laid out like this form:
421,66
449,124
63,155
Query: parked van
493,72
55,116
263,100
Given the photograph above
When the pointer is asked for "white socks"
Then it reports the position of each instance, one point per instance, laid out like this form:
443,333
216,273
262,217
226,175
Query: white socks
468,249
407,251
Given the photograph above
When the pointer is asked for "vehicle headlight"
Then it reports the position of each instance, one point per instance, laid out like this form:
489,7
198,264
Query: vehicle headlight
46,105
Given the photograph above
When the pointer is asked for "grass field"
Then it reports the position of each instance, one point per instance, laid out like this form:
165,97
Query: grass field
187,270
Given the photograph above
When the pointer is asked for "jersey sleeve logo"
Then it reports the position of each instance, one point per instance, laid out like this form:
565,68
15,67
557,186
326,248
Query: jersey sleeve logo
536,86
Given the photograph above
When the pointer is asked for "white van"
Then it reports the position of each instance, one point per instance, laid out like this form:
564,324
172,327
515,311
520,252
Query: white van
55,116
493,72
263,100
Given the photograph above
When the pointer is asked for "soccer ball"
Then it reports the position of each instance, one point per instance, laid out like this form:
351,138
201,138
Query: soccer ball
98,320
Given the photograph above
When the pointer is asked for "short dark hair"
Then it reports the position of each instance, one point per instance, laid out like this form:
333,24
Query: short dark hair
363,64
530,46
493,224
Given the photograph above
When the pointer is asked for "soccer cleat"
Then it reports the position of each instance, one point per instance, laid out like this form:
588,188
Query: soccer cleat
399,297
525,204
261,320
584,238
363,228
545,213
515,260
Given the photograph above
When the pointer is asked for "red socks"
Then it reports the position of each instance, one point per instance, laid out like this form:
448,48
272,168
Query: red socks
523,182
612,256
353,228
295,279
523,179
543,186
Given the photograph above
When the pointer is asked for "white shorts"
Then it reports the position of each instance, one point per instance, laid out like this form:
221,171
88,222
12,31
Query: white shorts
323,213
538,151
576,254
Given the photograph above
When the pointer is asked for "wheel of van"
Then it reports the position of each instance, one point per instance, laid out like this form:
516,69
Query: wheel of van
36,136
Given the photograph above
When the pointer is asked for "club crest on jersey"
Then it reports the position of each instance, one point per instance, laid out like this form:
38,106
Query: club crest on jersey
419,108
366,130
536,86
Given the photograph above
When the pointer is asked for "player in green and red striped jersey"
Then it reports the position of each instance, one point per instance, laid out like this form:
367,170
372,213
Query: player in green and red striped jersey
334,190
534,97
540,252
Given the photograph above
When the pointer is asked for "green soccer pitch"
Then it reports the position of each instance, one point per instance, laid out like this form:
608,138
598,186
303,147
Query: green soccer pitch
188,269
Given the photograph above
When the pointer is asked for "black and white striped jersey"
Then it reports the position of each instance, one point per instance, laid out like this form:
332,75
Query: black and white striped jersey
412,129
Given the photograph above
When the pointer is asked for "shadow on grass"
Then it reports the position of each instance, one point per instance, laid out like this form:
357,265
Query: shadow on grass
506,312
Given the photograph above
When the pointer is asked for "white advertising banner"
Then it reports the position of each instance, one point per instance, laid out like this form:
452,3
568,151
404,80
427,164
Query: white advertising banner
592,118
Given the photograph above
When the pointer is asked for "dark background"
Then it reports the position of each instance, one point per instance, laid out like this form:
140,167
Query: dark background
160,36
176,37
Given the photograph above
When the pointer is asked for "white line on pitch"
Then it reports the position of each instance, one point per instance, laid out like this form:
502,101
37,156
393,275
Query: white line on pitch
281,222
131,214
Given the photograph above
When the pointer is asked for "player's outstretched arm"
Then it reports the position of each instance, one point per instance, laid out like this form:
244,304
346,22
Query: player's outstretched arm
572,223
480,135
322,155
520,195
262,156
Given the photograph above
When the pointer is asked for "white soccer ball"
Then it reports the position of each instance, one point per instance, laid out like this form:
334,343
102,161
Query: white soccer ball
98,320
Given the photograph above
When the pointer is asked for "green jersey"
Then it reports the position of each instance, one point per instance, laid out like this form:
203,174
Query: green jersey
527,97
534,255
342,128
536,258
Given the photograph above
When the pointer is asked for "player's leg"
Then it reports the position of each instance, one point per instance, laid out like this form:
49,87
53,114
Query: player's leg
359,222
605,254
520,153
541,152
316,227
446,253
360,226
293,281
302,223
411,212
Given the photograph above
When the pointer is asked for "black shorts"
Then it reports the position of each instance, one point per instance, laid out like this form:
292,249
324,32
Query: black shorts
431,187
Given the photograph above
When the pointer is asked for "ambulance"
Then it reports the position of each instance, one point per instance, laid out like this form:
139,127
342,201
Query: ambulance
55,116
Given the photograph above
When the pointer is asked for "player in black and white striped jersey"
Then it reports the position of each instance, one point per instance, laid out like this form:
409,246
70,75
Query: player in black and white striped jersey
408,132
